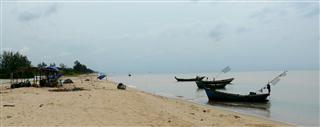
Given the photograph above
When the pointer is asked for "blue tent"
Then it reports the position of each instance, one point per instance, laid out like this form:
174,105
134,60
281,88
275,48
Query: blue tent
101,76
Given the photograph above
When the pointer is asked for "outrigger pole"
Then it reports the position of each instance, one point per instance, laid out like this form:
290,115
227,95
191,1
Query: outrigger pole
275,80
224,70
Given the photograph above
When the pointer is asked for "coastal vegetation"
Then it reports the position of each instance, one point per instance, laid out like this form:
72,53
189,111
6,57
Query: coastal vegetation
13,61
10,62
77,69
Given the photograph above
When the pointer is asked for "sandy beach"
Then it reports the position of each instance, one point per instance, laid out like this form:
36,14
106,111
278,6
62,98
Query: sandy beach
100,103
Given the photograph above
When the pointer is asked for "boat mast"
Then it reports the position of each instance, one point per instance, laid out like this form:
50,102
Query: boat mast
224,70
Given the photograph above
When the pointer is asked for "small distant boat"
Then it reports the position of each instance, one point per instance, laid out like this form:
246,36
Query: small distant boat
190,79
222,81
215,84
204,84
215,95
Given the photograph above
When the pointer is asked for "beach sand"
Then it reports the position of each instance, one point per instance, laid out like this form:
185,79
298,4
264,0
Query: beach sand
100,103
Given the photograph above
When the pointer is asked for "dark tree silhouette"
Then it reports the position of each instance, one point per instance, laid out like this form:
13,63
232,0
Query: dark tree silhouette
80,68
42,65
10,62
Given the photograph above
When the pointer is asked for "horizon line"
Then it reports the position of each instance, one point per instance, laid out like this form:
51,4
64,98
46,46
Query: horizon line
160,1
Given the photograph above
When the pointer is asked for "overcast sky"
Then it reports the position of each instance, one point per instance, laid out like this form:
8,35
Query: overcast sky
191,36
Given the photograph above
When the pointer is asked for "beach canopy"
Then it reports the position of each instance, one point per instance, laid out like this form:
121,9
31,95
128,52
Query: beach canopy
56,76
52,68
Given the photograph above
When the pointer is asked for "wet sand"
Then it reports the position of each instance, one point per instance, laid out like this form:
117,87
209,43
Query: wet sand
100,103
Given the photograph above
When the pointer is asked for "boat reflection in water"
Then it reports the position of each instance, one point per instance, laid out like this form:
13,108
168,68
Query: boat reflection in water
244,107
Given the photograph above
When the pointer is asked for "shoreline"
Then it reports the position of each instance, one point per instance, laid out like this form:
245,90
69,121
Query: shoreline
217,108
253,115
210,106
101,104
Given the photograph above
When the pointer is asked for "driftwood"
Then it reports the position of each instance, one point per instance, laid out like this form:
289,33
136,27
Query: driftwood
68,89
20,84
7,105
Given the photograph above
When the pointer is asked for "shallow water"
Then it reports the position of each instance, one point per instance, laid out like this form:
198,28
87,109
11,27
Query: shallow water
295,99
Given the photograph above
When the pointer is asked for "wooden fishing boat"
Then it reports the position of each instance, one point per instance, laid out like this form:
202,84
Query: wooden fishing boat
215,95
190,79
204,84
222,81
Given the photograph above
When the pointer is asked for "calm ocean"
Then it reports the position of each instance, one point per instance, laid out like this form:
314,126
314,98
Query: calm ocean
295,99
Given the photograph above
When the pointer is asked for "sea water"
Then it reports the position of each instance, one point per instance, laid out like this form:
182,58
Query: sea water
295,99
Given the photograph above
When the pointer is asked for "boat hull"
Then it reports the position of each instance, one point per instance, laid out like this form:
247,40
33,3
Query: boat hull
188,80
215,95
223,81
202,85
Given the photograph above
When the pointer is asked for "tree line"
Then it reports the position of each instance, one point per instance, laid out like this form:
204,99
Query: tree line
12,61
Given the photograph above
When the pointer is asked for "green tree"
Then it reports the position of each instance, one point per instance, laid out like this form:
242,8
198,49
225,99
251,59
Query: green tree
62,66
52,64
80,68
10,62
42,65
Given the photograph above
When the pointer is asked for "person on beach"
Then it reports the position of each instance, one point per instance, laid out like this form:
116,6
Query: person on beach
60,83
